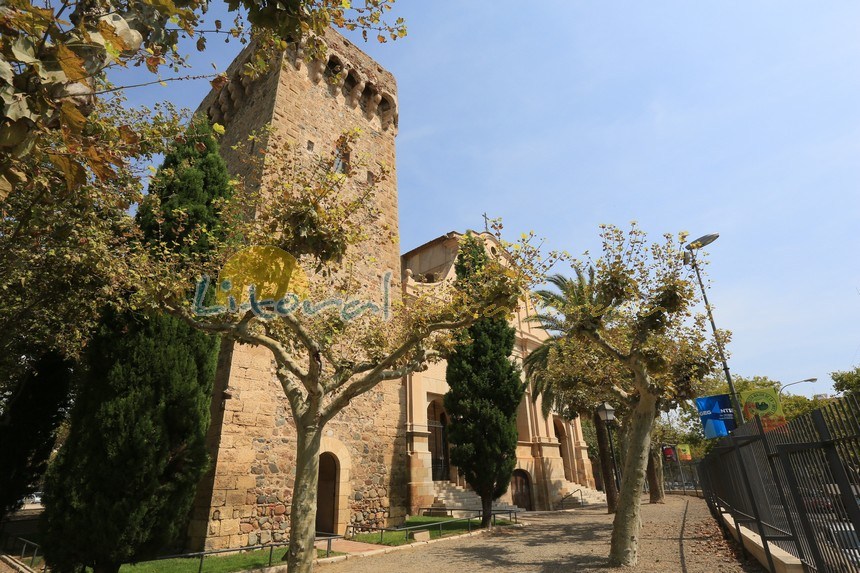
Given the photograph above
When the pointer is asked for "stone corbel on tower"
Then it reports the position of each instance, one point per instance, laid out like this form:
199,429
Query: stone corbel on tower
225,104
336,73
245,82
354,95
235,91
215,114
315,70
373,103
300,53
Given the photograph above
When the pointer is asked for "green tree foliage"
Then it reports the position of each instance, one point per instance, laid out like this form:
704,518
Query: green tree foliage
143,409
187,194
485,391
847,381
122,485
28,427
65,255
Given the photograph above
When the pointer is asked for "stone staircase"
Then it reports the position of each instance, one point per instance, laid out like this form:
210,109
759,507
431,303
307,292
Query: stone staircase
460,501
589,496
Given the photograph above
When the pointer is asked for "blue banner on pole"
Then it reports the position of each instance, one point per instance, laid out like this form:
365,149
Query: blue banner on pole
717,415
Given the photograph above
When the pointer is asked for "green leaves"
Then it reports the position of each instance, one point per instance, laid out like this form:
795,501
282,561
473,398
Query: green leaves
122,485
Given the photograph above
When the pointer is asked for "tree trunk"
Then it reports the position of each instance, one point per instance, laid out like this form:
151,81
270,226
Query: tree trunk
303,509
624,548
609,487
106,567
621,439
655,476
487,511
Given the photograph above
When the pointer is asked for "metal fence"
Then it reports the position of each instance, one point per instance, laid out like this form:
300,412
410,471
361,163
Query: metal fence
30,553
797,485
681,476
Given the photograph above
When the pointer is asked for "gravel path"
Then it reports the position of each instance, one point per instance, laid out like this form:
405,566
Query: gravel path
677,537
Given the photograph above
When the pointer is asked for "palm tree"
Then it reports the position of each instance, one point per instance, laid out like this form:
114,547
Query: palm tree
569,380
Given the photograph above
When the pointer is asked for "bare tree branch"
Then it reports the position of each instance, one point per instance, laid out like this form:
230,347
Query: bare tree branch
240,332
376,373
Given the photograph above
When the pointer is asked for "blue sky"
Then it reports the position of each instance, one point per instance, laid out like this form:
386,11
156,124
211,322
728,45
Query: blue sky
741,118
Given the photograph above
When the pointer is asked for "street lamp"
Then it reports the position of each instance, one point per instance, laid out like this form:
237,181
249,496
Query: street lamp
607,414
798,382
690,258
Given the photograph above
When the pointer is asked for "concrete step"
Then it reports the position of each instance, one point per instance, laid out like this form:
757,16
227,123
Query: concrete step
589,496
460,500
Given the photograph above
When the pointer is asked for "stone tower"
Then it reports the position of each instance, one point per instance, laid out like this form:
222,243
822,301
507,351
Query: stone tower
245,498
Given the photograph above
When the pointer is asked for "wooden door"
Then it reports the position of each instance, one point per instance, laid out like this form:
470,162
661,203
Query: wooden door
327,494
521,490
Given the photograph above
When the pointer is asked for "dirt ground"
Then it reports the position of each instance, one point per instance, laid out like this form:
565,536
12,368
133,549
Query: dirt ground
678,537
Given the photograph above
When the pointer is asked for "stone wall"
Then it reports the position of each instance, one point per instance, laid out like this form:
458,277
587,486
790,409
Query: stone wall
254,466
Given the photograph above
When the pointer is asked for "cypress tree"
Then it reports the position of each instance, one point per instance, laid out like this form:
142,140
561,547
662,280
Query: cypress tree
122,486
485,391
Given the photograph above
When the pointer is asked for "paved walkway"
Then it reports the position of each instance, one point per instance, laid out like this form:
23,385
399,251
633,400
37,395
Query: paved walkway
678,537
347,546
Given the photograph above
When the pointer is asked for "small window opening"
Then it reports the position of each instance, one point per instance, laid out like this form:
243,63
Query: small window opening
350,82
333,68
341,162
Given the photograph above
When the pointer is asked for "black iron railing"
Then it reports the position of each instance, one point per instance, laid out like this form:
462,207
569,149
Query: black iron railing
797,486
571,495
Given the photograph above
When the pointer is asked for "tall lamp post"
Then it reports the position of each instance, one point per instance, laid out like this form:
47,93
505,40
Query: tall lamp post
690,258
607,414
798,382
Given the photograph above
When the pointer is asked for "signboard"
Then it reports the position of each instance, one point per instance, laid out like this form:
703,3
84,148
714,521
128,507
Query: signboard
669,454
717,415
685,454
764,403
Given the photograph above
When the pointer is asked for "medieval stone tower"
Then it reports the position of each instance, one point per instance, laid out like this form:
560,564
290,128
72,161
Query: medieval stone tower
245,498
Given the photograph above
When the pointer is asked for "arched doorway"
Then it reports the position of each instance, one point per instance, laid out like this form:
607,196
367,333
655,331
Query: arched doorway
327,494
437,425
564,448
521,490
